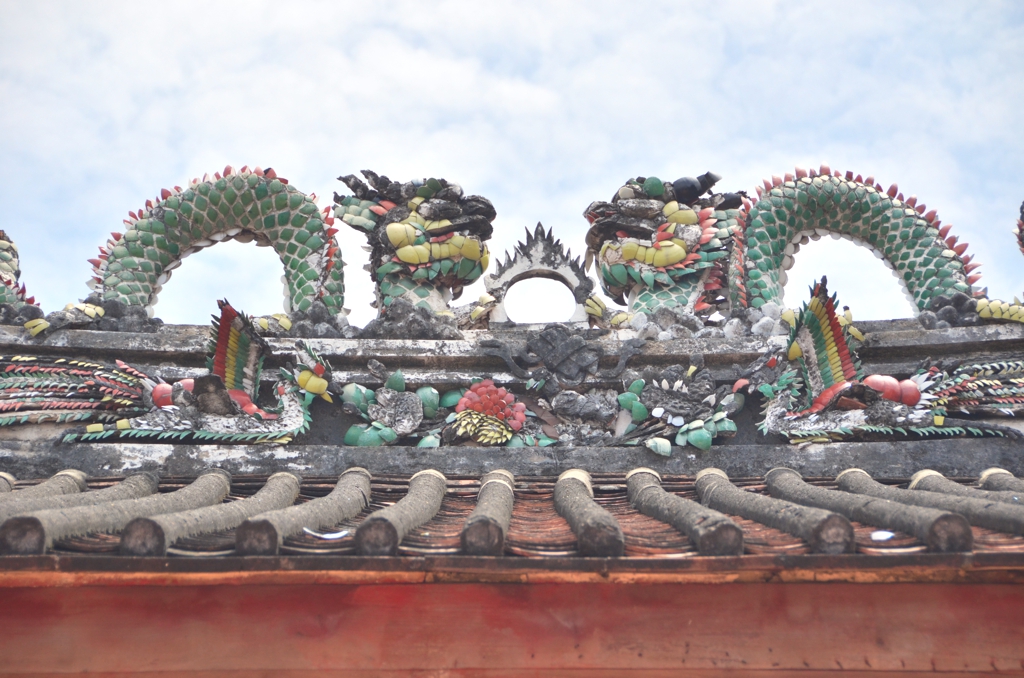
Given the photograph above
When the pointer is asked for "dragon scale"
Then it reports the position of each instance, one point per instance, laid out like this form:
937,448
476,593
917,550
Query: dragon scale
685,292
245,205
911,243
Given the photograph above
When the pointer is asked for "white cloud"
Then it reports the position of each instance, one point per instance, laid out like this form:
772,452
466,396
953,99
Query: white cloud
542,107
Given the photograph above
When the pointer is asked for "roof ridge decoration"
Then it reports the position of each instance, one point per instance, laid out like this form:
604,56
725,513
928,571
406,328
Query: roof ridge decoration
679,252
663,245
815,389
541,255
218,407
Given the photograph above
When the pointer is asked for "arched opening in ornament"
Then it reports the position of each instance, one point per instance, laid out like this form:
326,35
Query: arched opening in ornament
246,275
859,278
539,300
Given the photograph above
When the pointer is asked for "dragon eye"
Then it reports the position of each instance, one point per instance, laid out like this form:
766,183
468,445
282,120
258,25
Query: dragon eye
773,361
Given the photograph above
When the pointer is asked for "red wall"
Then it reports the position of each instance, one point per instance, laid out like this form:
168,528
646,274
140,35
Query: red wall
513,629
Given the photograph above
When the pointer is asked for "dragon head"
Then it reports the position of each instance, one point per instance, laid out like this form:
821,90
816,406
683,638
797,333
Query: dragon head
654,235
426,237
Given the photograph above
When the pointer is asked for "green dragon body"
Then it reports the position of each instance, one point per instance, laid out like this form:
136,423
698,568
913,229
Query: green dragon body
245,205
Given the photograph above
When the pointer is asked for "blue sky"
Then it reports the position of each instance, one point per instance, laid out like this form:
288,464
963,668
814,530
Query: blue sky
542,107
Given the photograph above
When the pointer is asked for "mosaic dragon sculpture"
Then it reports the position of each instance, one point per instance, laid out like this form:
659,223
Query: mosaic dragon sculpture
244,205
426,238
660,244
126,403
657,244
815,389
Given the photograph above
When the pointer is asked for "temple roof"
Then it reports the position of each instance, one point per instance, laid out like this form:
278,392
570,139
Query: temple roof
540,541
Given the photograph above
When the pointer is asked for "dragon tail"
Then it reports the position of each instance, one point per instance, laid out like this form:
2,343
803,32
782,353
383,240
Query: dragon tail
995,388
62,390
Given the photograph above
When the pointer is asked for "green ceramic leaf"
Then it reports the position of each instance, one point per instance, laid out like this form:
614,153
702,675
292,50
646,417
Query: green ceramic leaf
659,446
430,398
354,432
396,382
699,438
627,399
370,438
451,398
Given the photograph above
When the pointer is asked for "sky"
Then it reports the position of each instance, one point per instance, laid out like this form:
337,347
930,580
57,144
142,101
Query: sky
542,107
